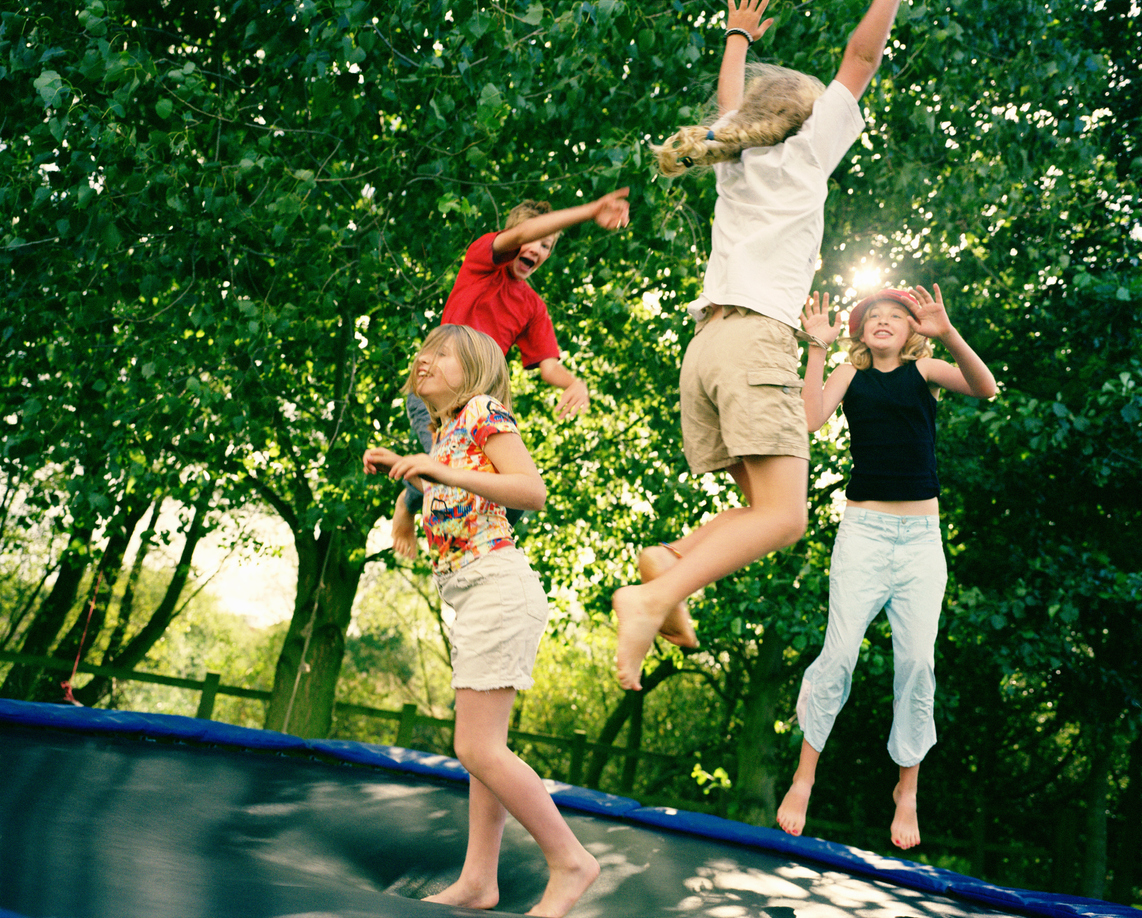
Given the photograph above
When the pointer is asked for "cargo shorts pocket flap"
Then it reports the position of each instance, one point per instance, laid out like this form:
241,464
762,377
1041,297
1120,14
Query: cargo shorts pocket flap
773,376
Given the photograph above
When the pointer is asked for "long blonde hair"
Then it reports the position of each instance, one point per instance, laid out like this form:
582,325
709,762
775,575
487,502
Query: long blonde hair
775,103
484,371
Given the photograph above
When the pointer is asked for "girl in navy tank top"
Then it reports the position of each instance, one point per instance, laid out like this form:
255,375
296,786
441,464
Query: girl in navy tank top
888,553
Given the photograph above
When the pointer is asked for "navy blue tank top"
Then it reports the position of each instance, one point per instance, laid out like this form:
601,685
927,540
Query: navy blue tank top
892,431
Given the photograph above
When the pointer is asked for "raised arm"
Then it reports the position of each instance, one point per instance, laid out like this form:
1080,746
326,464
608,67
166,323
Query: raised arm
822,398
611,212
866,46
731,78
970,375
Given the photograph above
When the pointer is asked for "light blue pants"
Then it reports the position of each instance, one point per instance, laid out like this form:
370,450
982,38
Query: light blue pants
895,563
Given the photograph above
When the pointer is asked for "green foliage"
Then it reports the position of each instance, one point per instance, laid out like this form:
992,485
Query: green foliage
229,227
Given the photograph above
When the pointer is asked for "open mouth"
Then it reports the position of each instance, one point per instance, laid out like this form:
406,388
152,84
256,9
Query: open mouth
528,263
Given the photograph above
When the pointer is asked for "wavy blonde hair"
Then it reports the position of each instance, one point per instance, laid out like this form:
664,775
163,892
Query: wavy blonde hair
860,356
484,371
775,103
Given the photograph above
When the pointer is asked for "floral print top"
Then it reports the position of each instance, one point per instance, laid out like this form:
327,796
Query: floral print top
462,526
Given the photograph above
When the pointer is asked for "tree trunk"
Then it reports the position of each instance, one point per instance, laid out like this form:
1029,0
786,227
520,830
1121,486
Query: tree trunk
52,614
1128,848
92,616
755,788
1094,851
164,614
629,703
305,680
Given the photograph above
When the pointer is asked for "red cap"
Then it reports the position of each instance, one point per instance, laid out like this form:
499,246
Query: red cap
892,295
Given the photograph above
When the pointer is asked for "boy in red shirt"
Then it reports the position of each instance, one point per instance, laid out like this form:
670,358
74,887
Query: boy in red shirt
492,295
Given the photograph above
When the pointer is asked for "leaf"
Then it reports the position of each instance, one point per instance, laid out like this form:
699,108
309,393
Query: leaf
50,87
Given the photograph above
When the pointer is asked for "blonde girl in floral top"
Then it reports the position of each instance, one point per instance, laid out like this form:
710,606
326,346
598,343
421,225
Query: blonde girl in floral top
478,467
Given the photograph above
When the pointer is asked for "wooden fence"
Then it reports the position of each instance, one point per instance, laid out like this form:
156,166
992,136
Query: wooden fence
577,747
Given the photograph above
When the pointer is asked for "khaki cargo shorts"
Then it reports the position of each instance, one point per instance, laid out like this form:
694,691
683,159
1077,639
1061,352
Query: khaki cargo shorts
501,614
741,391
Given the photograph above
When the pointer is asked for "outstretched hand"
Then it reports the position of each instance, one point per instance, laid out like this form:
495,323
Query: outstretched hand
930,319
414,469
574,401
815,318
747,15
613,210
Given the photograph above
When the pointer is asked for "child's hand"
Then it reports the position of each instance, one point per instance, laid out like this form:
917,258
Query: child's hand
378,457
815,318
931,318
417,469
574,400
747,16
613,210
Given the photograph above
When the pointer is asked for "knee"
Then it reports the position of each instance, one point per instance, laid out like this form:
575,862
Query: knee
796,522
474,754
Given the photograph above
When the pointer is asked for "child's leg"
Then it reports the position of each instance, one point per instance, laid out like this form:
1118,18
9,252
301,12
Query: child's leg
914,614
905,824
481,745
859,585
775,489
795,806
478,885
654,561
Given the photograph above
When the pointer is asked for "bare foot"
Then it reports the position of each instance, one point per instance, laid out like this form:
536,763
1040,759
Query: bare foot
566,885
653,561
905,825
794,808
404,530
466,894
638,626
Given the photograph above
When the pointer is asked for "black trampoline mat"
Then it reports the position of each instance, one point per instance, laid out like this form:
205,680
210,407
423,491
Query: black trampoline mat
98,826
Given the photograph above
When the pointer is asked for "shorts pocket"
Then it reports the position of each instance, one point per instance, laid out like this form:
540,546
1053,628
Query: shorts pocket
533,597
790,382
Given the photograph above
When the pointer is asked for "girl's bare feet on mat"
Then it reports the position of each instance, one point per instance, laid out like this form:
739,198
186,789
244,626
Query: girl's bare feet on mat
653,561
468,895
905,825
566,886
795,807
638,626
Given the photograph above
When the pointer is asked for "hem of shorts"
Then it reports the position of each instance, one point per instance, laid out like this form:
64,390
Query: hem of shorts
909,764
720,465
495,686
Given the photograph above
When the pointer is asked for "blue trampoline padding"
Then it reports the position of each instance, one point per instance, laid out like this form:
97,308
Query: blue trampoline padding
853,860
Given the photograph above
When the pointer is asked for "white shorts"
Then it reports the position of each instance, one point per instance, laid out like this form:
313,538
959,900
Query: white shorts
501,613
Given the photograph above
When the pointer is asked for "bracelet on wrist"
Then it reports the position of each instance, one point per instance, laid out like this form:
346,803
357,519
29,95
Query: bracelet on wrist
742,32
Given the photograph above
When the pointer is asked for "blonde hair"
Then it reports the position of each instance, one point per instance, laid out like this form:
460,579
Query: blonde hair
525,210
860,356
775,103
484,371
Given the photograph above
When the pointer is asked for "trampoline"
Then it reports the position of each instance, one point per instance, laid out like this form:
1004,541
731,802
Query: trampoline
108,814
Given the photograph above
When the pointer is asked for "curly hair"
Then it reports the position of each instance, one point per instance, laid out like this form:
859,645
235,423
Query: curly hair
775,104
485,371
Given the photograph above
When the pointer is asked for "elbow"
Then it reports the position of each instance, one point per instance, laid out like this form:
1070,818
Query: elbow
538,496
984,386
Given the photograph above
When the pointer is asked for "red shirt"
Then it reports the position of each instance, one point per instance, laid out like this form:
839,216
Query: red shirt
489,298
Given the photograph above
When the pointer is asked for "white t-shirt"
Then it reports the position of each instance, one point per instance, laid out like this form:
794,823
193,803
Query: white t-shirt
770,214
